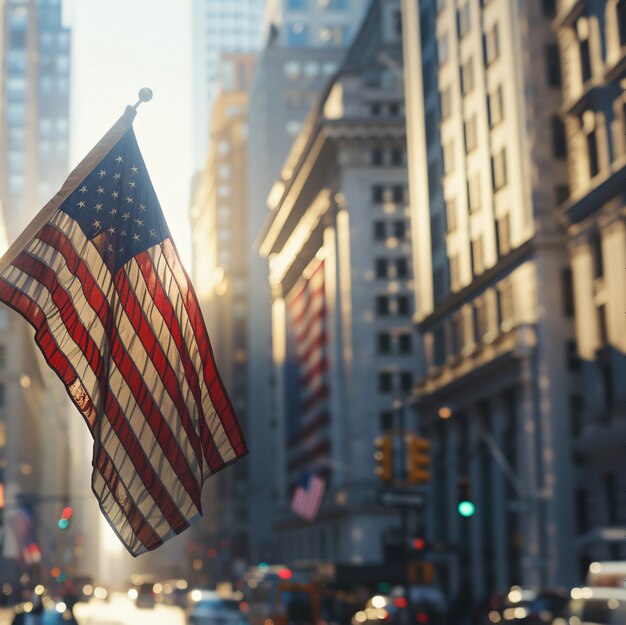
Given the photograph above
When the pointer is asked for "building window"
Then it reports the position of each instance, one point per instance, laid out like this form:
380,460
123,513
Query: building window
467,76
377,156
455,271
375,109
383,343
382,305
381,268
603,334
491,43
398,194
576,411
380,230
463,20
443,51
385,384
559,145
473,193
469,131
495,107
451,222
553,65
378,194
399,230
562,193
402,268
592,153
404,343
406,382
439,283
403,305
394,109
386,421
621,22
445,98
478,260
397,157
457,333
571,355
503,235
439,346
548,8
506,312
448,157
498,170
582,26
567,290
595,243
480,320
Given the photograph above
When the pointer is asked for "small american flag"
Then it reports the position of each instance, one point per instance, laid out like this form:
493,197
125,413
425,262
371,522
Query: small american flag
97,275
307,496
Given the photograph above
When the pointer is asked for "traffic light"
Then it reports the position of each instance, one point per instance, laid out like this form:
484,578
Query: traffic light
66,515
418,459
465,506
384,458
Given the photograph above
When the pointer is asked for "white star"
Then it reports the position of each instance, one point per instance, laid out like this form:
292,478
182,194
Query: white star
117,176
129,200
132,185
115,194
153,233
139,222
119,159
142,208
134,169
114,211
81,204
111,230
123,233
121,250
98,208
126,216
110,248
83,189
135,237
100,191
102,173
97,224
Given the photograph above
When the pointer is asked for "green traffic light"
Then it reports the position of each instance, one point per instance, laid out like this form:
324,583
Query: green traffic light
63,524
466,508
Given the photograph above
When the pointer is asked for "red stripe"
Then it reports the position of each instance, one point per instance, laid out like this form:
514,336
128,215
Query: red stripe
217,392
319,316
321,449
143,329
318,343
320,394
312,295
319,422
55,358
126,366
319,369
305,286
165,308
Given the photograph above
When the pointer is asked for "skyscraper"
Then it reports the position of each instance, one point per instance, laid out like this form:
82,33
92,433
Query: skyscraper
36,106
486,172
218,26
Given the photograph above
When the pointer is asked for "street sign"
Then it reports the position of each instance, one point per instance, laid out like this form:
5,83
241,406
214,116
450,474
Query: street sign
398,498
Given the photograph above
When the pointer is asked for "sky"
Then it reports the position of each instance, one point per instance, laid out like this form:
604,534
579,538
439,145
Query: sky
118,47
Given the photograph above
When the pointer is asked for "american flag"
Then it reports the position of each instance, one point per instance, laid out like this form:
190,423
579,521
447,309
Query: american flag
309,440
97,275
307,496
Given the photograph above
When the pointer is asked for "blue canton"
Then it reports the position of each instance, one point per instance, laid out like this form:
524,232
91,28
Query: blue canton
117,207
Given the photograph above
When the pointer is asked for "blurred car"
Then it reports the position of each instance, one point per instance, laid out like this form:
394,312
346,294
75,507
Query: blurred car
530,607
595,606
425,605
48,613
207,607
146,597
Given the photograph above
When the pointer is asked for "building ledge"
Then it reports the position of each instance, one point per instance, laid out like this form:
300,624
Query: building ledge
618,69
568,11
605,432
607,186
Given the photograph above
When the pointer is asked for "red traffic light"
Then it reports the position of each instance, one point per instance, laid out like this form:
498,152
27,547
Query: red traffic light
67,513
418,544
422,617
400,602
285,574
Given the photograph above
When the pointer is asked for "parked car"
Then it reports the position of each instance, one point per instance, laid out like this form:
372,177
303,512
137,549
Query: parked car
207,607
595,606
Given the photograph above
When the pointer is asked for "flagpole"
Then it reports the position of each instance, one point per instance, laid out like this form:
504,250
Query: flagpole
145,95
